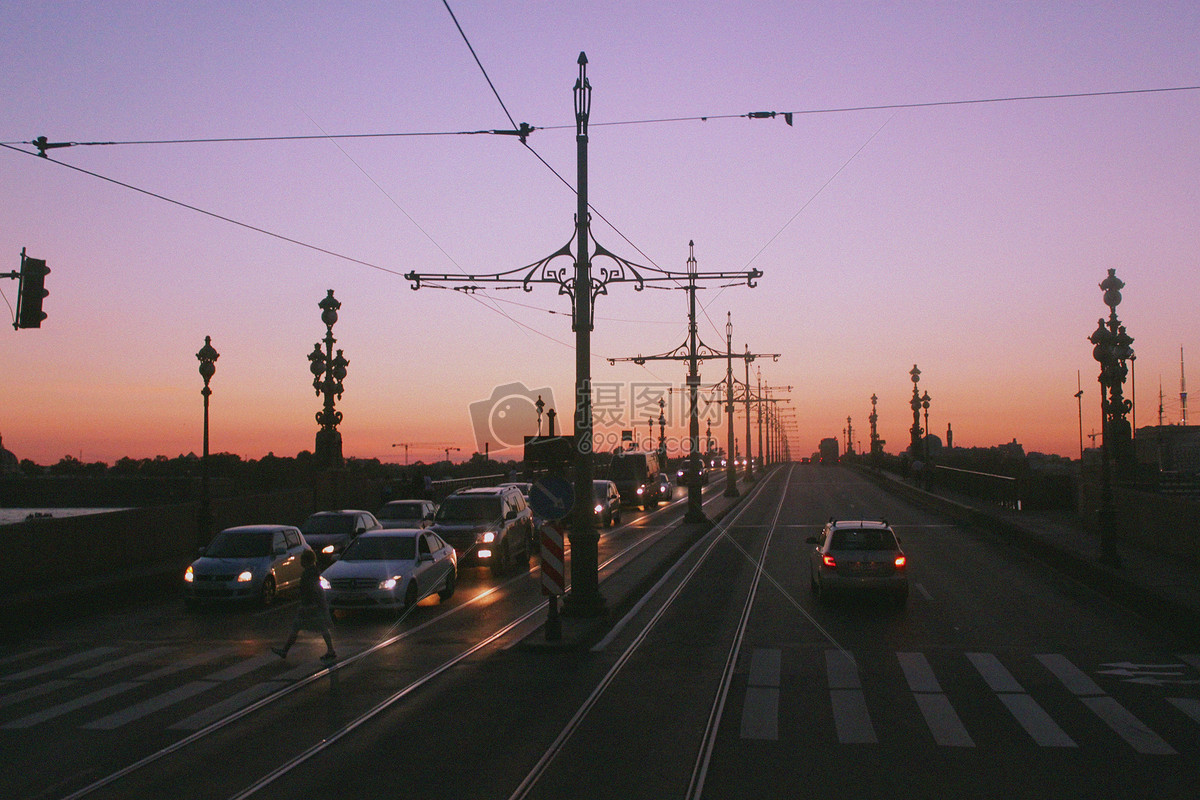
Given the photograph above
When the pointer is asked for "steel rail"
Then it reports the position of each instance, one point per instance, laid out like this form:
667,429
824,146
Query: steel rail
712,539
283,692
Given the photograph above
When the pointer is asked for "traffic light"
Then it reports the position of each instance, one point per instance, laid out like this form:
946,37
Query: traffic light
31,292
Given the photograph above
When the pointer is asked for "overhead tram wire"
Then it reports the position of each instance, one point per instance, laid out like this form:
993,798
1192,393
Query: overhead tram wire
213,214
648,121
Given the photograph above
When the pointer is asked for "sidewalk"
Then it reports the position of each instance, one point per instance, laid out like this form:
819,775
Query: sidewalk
1161,587
623,588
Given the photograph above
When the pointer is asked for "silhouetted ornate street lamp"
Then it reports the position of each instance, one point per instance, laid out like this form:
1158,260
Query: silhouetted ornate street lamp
328,373
208,366
662,432
1112,349
915,403
925,406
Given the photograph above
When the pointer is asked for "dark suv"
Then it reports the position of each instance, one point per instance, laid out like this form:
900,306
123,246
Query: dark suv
328,532
491,527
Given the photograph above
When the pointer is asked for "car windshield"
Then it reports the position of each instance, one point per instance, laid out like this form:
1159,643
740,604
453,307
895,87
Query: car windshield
469,509
229,544
328,523
381,548
863,539
624,468
401,511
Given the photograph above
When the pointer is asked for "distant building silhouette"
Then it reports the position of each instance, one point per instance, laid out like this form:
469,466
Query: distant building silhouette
1171,448
9,465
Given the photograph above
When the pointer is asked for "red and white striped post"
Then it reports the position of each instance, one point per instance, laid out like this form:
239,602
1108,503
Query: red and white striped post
553,575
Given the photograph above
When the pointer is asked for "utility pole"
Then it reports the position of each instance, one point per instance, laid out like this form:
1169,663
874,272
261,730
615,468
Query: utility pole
694,351
582,286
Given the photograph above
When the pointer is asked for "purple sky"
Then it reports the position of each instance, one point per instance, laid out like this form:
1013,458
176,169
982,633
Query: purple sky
968,239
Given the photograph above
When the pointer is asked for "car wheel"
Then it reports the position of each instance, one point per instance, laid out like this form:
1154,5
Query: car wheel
267,595
617,517
411,597
448,590
500,560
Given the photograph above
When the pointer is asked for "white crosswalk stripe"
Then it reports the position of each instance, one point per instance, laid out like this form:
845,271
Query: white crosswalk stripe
850,701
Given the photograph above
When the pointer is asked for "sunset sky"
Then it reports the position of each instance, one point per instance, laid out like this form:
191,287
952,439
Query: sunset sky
966,238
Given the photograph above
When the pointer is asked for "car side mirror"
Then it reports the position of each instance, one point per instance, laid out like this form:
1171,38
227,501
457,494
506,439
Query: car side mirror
425,557
280,550
512,514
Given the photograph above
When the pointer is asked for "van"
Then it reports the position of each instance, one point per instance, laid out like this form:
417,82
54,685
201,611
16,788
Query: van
636,475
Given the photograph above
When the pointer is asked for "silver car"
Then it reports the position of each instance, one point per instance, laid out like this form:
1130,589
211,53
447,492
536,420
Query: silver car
391,569
251,562
858,555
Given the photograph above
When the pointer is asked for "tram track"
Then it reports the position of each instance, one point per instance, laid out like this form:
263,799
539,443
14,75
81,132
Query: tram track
180,748
696,557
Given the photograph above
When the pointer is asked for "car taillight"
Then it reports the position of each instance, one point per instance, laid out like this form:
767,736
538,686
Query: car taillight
828,561
901,561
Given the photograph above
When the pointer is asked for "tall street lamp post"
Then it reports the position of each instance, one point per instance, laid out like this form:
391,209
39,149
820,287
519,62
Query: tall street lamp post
925,406
730,466
1112,350
208,366
328,373
915,403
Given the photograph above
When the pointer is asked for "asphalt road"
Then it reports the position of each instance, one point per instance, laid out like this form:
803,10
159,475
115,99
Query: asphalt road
1001,678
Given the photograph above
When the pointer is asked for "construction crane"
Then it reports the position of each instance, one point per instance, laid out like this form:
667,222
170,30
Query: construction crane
406,445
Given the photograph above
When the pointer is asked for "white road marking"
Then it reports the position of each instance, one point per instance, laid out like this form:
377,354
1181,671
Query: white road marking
120,663
1116,716
147,707
760,712
943,721
850,715
1031,716
71,705
228,706
62,663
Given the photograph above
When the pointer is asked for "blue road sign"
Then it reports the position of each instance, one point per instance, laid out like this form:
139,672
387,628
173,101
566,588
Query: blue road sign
552,498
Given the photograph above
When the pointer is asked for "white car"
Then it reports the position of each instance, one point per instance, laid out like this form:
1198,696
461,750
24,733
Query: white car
391,569
858,555
247,563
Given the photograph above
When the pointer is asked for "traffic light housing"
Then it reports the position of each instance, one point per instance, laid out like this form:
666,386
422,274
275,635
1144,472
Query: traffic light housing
32,291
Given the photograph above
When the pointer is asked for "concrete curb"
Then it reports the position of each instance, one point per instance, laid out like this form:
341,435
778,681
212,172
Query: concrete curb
627,586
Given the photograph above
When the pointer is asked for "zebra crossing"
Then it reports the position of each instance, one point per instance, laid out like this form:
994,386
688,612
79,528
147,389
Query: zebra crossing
850,699
106,688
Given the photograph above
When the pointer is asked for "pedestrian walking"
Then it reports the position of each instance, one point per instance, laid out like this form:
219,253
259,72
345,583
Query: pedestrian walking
314,609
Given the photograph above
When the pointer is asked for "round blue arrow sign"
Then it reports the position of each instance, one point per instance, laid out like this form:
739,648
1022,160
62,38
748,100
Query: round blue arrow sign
552,497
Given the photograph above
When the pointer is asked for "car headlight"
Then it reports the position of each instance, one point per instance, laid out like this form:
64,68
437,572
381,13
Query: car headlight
487,537
188,576
599,508
641,489
324,583
246,577
328,549
388,585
